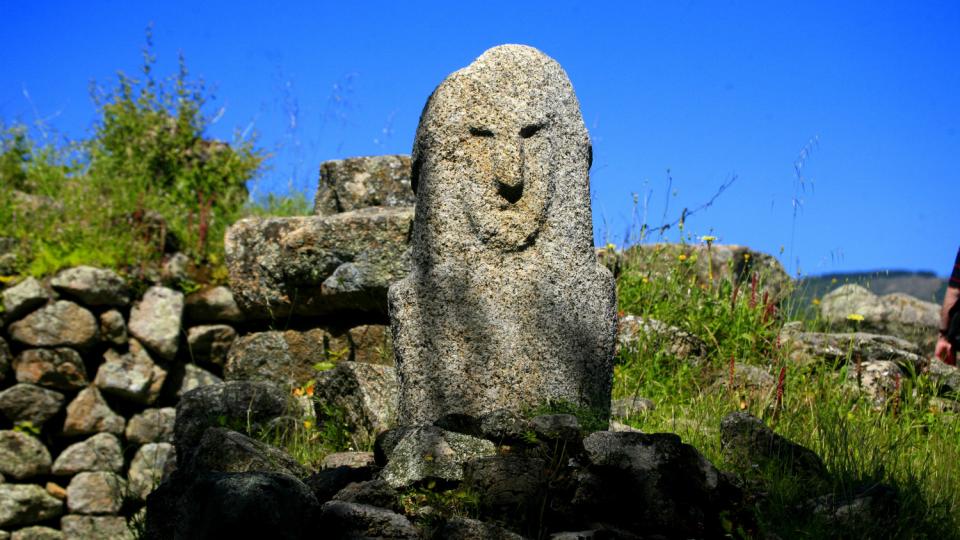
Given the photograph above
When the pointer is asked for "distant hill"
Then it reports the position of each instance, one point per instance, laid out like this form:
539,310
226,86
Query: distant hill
923,285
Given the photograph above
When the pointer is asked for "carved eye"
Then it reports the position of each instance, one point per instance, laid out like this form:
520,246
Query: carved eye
529,131
480,132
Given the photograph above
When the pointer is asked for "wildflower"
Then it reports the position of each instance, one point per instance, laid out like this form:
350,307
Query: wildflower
746,257
708,239
815,301
645,280
856,317
611,246
833,281
682,257
307,424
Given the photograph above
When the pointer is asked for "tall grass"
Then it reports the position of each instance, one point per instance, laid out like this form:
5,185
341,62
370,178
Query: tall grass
909,444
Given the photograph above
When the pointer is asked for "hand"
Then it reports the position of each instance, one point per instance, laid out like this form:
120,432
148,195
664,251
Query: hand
944,351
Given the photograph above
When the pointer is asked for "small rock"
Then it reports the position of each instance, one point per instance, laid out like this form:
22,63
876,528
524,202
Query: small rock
652,335
371,492
556,427
627,407
92,286
503,425
430,452
214,304
618,427
37,532
746,376
348,459
61,323
211,343
56,490
945,375
287,358
508,485
95,493
61,368
350,520
100,452
156,319
76,527
191,377
113,328
150,465
223,450
30,403
89,413
26,504
151,426
850,348
23,298
366,395
132,376
878,379
175,268
22,456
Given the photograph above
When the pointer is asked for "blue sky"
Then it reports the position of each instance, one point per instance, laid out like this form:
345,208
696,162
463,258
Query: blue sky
706,90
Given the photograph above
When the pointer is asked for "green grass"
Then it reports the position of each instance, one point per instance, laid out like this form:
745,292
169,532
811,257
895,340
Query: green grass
907,445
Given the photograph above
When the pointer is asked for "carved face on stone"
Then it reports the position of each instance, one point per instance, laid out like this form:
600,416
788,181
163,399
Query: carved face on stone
509,179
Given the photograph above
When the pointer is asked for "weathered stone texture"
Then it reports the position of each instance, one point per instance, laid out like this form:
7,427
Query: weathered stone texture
150,465
61,323
113,328
152,425
286,357
29,403
37,532
315,265
6,359
155,320
189,377
78,527
214,304
359,182
210,343
366,394
894,314
95,493
61,368
92,286
132,375
101,452
23,298
506,305
22,456
89,413
430,452
26,504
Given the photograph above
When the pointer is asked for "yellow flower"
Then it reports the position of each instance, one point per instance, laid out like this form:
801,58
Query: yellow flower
611,246
833,281
645,280
816,301
682,257
307,424
708,238
746,257
855,317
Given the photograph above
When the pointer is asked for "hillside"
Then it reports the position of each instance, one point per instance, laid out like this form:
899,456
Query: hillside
924,285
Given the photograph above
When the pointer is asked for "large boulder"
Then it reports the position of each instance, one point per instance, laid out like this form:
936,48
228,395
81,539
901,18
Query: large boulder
22,456
61,368
60,324
851,347
651,484
223,450
748,443
26,504
234,505
92,286
156,319
895,314
30,403
318,265
364,394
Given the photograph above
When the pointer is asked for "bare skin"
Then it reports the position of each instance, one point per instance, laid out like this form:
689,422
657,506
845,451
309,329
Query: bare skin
944,350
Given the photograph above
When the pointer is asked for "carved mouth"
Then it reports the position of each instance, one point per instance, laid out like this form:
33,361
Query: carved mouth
511,194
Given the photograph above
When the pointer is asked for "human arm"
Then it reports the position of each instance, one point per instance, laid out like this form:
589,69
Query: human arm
944,348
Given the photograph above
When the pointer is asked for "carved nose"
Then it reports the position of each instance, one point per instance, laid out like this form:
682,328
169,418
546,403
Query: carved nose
510,192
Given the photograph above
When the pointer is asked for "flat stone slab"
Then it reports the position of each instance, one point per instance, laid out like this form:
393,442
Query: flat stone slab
318,265
360,182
